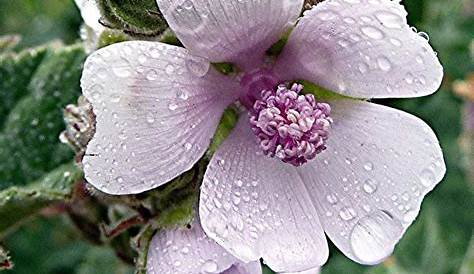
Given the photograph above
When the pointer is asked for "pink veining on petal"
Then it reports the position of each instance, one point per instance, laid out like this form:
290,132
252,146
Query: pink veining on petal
290,126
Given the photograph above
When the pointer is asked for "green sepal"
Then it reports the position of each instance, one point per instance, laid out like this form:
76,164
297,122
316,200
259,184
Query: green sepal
175,201
141,244
228,121
321,93
19,203
169,37
110,36
135,17
225,68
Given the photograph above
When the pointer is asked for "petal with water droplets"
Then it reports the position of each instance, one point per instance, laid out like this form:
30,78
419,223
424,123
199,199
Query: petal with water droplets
190,251
156,108
258,207
237,31
245,268
369,184
363,49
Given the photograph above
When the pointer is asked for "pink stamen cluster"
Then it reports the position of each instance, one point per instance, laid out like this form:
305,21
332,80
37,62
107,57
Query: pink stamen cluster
290,126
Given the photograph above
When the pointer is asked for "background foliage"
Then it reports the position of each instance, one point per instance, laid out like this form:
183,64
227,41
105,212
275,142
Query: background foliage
36,84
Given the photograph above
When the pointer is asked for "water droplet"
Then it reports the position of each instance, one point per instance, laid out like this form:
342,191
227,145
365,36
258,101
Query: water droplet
122,72
363,68
389,19
384,64
331,198
150,118
197,66
185,250
427,177
370,186
372,32
239,183
410,216
347,213
152,75
188,146
327,15
374,237
181,94
368,166
169,69
172,106
209,266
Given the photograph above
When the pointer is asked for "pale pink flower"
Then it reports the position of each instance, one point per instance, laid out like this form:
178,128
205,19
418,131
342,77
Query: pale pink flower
296,167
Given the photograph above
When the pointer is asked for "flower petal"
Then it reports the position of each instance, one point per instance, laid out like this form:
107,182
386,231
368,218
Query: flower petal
157,108
190,251
230,30
362,49
309,271
90,14
369,184
258,207
242,268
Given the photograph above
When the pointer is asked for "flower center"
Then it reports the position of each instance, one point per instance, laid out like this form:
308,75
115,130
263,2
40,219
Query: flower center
290,126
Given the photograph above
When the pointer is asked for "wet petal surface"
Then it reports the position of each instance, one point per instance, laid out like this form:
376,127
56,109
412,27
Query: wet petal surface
156,107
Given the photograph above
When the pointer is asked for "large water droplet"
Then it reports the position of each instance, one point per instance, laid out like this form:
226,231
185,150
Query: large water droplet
209,267
370,186
384,64
197,66
389,19
372,32
121,72
427,177
347,213
374,237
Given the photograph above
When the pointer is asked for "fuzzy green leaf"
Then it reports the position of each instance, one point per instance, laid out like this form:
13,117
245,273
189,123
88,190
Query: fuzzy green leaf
19,203
16,71
29,144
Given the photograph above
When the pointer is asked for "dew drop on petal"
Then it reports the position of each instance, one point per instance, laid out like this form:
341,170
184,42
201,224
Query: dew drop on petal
374,236
427,177
209,267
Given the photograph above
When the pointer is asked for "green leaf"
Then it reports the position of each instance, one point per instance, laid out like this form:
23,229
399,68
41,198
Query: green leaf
19,203
16,71
48,246
139,17
29,144
467,266
100,260
423,248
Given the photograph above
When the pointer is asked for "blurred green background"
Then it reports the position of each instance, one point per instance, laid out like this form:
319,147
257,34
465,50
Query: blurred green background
440,241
